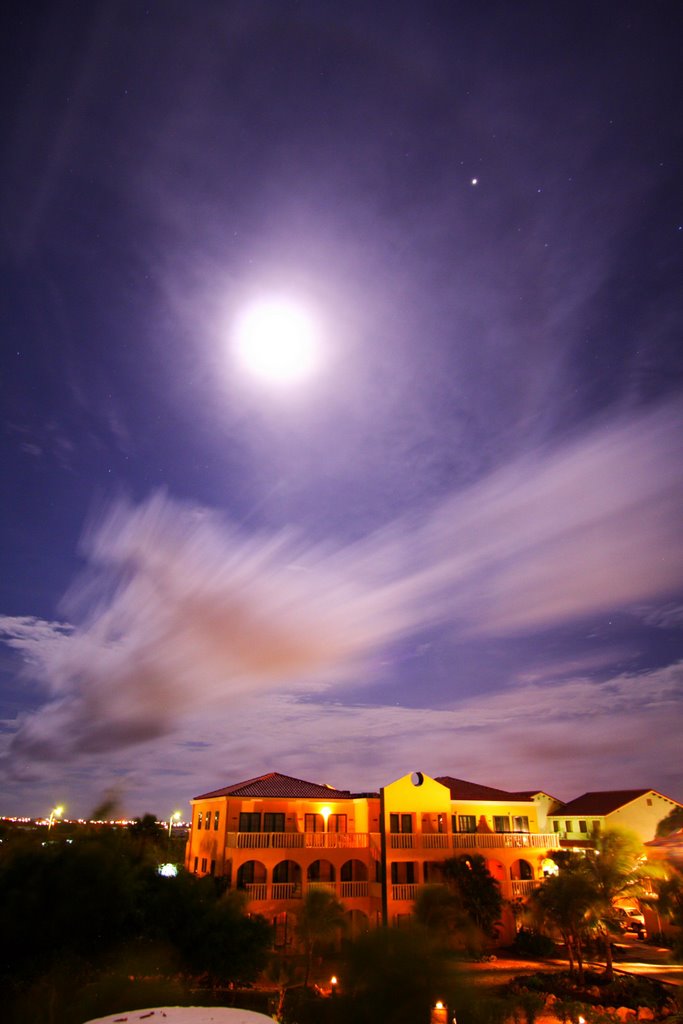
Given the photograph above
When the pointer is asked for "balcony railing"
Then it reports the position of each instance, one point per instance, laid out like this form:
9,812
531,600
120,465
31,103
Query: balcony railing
298,840
397,840
264,891
523,886
506,840
404,891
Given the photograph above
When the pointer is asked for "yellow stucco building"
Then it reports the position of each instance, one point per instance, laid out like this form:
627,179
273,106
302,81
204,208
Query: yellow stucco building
276,837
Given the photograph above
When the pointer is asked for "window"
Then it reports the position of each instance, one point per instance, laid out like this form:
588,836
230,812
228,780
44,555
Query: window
568,826
400,823
213,867
203,863
314,823
649,802
215,820
196,863
208,820
250,821
520,823
583,826
596,826
501,823
403,873
199,819
274,821
556,826
336,823
467,823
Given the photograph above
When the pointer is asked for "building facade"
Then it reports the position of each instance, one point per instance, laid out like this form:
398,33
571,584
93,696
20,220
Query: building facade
276,837
636,810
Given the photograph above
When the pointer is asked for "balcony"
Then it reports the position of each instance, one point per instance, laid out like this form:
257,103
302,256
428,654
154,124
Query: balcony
298,840
506,841
264,891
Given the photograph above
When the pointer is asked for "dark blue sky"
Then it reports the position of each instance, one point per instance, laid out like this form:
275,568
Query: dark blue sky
458,547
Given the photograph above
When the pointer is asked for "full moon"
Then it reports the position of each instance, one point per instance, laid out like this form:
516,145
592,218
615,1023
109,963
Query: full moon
277,340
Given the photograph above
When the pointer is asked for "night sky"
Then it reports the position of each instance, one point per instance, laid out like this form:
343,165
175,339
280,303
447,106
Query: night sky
457,545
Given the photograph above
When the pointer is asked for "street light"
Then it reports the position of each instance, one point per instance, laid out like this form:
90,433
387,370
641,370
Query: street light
56,812
176,816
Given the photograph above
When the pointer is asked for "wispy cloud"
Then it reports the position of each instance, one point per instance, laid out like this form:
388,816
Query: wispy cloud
182,613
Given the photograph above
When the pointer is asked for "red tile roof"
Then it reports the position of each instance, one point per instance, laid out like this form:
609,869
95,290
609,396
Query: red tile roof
601,803
275,785
462,790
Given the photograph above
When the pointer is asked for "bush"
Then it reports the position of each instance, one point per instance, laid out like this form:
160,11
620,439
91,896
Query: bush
532,943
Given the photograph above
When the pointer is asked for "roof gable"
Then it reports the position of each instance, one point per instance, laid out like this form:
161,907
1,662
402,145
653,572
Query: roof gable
273,784
600,803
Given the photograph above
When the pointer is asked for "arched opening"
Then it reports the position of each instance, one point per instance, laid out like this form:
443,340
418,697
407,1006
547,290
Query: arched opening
496,869
354,879
521,870
354,871
321,873
252,876
286,880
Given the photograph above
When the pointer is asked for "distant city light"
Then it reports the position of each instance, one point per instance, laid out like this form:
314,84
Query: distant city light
168,870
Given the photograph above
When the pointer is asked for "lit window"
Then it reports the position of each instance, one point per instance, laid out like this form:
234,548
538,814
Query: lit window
215,820
467,823
520,823
199,819
501,823
208,820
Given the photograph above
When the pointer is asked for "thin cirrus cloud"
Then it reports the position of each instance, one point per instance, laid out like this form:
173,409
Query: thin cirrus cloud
186,613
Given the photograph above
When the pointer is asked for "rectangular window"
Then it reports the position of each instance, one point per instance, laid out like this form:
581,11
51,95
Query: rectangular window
196,864
336,823
467,823
583,826
274,821
314,823
215,820
501,823
204,864
213,867
556,826
568,826
520,823
199,819
403,873
208,820
400,823
649,802
250,821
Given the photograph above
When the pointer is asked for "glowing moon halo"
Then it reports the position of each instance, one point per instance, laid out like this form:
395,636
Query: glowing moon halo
276,340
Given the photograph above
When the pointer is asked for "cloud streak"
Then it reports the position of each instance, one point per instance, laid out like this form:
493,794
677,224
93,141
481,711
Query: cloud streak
181,613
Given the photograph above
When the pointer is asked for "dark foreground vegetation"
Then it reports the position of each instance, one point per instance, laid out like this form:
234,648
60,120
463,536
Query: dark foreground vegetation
88,927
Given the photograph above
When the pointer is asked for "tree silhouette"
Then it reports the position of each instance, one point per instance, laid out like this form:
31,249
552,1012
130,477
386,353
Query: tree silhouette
321,920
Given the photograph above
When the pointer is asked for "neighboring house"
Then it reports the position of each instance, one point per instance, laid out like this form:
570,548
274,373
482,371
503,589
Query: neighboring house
638,810
276,837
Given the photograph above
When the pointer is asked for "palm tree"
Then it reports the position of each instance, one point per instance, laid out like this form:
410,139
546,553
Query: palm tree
320,921
477,889
617,870
564,902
